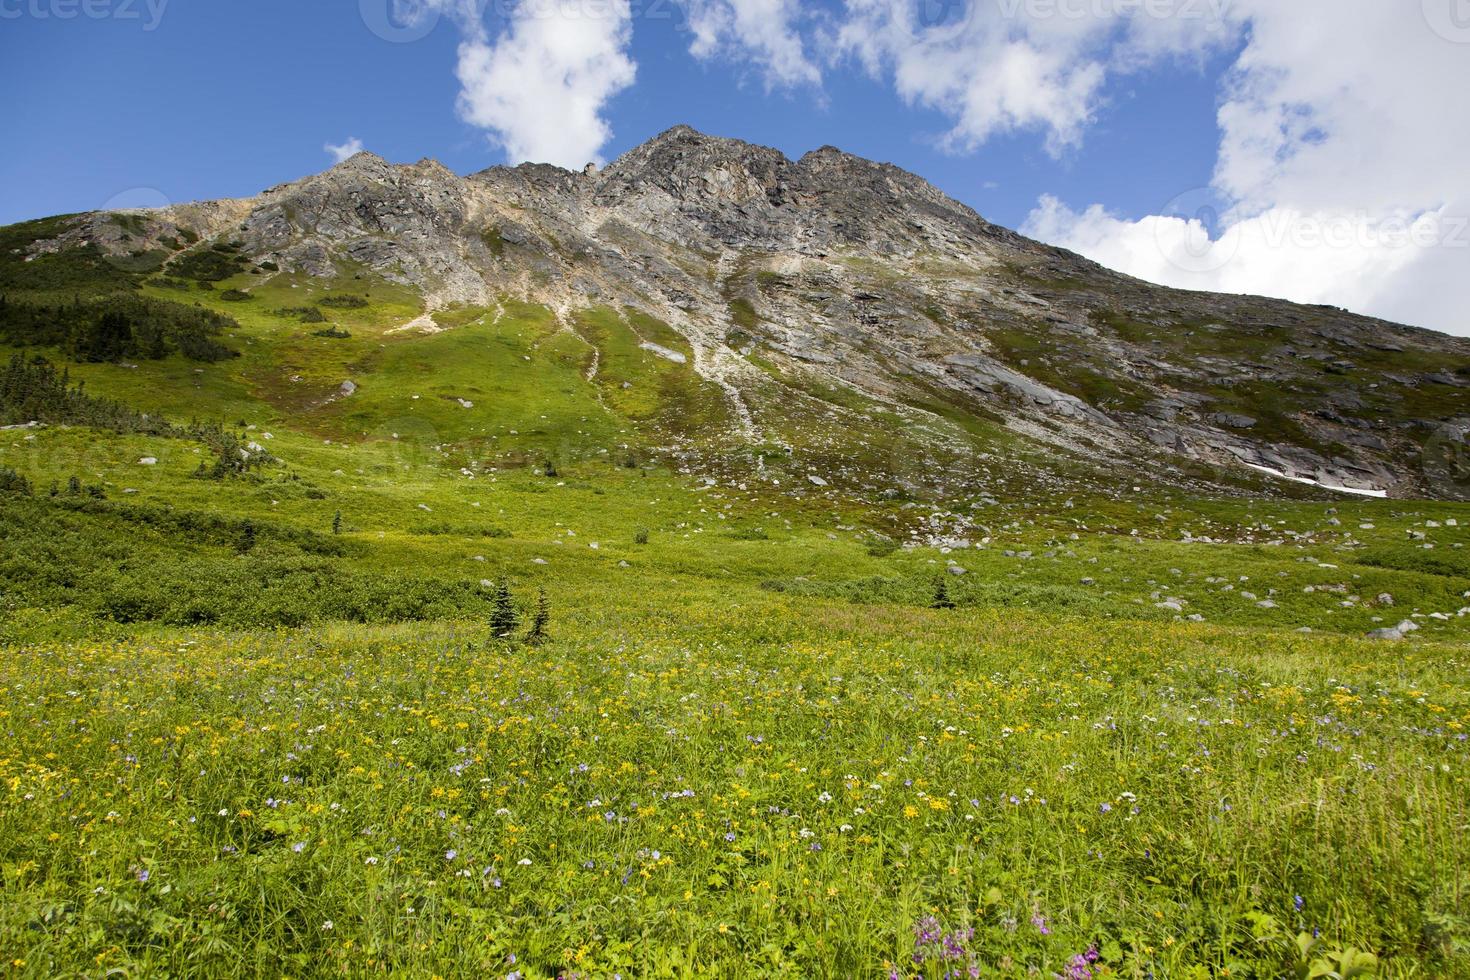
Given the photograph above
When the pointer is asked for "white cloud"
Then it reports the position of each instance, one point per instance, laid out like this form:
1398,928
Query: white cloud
541,85
1008,65
344,151
759,31
1341,160
1340,258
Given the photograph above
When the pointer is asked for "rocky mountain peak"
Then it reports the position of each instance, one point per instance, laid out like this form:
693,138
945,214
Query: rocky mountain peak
837,273
689,165
363,161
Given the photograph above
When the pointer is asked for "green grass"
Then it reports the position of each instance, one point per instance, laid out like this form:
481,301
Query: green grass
750,786
749,747
58,276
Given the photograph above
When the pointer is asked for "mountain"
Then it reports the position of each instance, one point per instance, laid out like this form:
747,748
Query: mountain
835,320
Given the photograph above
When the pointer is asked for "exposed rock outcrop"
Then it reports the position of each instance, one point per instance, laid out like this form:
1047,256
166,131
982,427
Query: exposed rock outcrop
870,280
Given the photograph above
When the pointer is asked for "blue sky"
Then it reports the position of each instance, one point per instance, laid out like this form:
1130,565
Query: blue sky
1090,125
226,99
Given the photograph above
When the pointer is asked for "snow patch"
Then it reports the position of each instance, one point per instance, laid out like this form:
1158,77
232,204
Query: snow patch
1317,483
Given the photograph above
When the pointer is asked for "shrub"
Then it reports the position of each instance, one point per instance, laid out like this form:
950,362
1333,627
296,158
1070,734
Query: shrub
119,325
866,591
209,265
83,270
306,314
33,390
461,530
881,546
493,241
233,454
13,482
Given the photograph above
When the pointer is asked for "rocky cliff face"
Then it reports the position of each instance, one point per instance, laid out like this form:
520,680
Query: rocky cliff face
836,274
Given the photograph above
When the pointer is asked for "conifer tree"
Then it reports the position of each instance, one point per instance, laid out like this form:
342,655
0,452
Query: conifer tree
540,619
941,596
503,618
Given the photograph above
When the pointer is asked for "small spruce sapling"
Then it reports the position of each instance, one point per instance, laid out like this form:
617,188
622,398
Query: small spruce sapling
540,619
503,617
941,596
337,523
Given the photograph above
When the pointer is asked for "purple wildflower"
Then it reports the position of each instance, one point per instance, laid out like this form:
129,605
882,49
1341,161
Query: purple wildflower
1079,967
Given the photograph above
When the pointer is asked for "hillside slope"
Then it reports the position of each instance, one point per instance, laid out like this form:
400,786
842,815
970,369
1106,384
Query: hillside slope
715,302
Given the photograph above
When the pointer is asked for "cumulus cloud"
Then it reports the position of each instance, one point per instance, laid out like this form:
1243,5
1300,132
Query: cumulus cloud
761,32
344,151
1020,65
1340,169
1339,258
540,86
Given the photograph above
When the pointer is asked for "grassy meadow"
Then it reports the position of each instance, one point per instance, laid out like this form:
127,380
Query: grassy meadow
261,725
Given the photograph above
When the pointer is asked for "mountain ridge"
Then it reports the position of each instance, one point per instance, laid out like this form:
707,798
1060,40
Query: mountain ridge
832,271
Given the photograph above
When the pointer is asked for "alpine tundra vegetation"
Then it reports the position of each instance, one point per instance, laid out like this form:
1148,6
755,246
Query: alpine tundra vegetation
713,564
